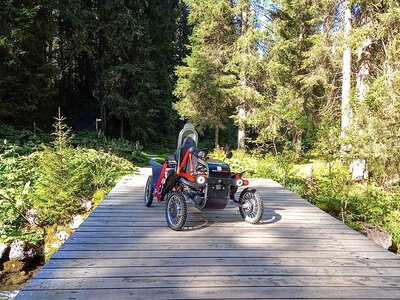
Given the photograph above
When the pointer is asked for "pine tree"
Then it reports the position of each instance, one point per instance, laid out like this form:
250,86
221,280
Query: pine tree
374,132
206,81
129,74
26,69
56,190
75,52
247,62
301,73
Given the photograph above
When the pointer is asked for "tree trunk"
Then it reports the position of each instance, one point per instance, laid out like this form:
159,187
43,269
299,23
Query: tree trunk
346,83
358,167
122,128
216,137
297,141
363,71
100,64
241,107
241,129
104,123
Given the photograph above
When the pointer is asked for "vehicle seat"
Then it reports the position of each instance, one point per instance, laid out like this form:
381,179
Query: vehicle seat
180,154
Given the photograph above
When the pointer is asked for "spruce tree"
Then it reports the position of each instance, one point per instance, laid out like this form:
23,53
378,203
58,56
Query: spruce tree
206,82
301,72
56,190
129,74
26,68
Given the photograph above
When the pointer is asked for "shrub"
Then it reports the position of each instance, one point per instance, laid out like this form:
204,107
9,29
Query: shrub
56,192
52,181
98,141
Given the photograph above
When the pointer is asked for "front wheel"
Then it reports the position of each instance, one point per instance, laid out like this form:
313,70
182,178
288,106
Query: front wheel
176,211
252,208
148,193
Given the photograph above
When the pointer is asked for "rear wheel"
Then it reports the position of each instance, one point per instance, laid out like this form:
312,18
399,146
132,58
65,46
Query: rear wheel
252,208
176,210
148,194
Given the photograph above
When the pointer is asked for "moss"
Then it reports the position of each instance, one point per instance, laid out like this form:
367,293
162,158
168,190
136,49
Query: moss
98,196
14,280
13,266
51,241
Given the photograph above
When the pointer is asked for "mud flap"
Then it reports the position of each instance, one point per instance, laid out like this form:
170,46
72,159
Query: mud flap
157,169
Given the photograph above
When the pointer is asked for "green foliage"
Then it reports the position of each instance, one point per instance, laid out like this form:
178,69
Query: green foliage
98,196
21,142
131,151
16,175
66,174
206,81
57,190
52,181
26,68
82,55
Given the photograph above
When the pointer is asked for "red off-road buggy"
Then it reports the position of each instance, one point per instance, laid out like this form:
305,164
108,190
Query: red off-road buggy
209,183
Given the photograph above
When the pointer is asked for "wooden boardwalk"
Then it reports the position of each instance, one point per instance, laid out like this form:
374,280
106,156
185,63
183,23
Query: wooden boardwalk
124,250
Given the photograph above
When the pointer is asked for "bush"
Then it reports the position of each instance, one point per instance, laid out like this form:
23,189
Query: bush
98,141
52,181
21,142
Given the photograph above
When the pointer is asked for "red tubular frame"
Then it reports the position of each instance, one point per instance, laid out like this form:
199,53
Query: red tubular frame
184,174
190,176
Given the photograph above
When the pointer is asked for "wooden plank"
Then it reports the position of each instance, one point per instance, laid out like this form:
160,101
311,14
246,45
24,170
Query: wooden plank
196,232
251,230
213,281
221,253
241,226
55,263
210,246
218,293
192,221
244,241
193,212
167,271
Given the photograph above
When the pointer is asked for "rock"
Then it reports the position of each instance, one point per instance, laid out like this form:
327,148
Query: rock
56,244
310,177
20,250
62,236
378,235
76,221
3,250
358,170
13,266
390,182
31,215
86,204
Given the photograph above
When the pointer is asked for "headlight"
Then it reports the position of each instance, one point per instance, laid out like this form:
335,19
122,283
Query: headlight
239,182
200,179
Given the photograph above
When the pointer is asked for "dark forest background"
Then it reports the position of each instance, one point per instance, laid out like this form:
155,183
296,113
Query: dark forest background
112,60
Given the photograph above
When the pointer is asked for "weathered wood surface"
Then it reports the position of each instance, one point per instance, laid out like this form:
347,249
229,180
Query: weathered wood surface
124,250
